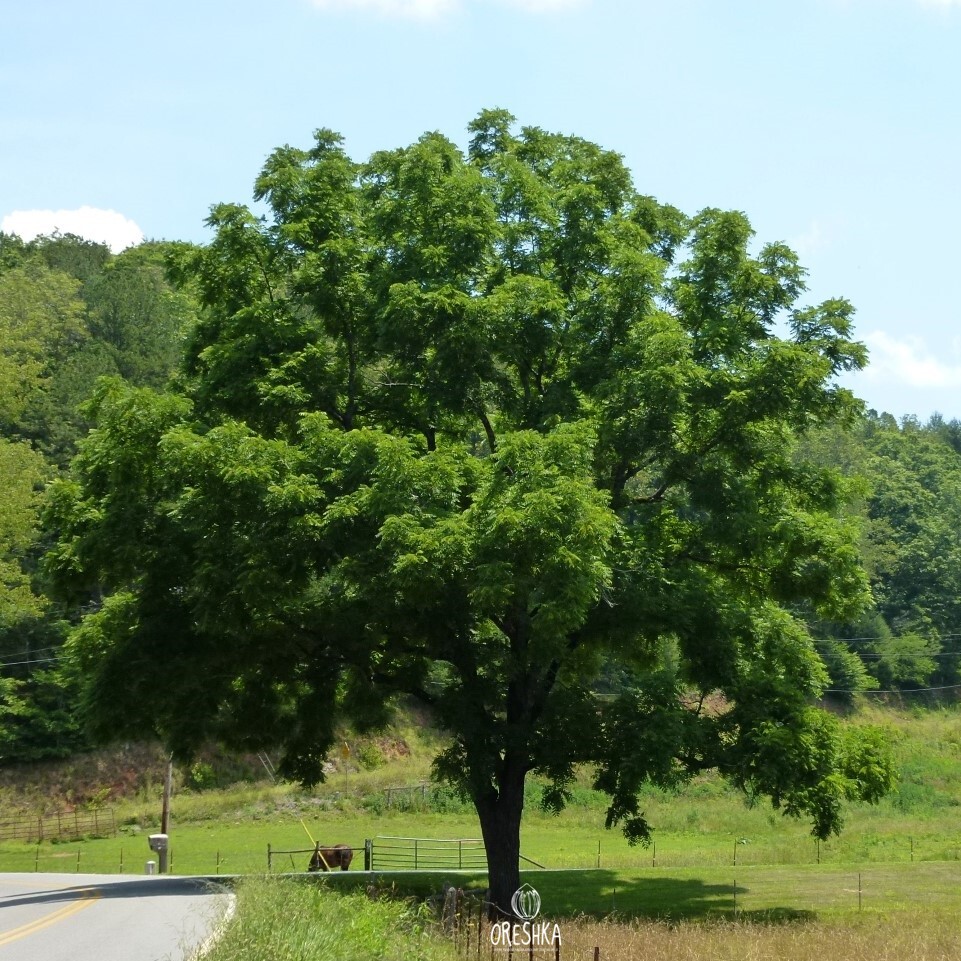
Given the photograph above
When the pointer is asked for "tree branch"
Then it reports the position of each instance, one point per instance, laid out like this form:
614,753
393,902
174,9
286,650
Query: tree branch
488,429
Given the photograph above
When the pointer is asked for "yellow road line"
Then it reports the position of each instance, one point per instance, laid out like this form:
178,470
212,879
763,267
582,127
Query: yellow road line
91,897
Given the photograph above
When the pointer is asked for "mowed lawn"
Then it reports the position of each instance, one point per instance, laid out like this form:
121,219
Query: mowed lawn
635,889
577,839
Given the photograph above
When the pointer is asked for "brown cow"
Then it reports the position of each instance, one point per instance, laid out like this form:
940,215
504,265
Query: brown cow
326,859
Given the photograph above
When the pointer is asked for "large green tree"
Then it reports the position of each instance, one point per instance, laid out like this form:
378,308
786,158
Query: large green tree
481,429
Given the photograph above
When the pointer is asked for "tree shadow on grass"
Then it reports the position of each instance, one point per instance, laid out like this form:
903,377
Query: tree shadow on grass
600,893
595,893
87,887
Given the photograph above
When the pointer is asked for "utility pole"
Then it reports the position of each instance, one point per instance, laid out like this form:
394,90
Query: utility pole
161,842
168,784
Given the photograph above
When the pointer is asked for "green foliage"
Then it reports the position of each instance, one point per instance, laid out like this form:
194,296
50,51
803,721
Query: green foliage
201,776
482,429
41,321
21,473
297,921
370,756
69,313
847,673
908,660
71,255
138,316
908,512
38,718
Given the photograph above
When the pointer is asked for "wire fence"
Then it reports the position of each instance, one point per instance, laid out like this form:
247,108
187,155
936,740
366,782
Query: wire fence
130,858
53,845
707,850
742,890
59,825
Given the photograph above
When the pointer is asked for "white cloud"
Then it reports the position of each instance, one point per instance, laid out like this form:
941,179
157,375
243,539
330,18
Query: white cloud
910,362
104,226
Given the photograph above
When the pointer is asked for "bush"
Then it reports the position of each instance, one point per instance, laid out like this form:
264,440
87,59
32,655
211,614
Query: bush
370,756
201,776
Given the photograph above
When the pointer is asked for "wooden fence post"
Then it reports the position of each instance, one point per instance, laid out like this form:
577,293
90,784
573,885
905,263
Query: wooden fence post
480,926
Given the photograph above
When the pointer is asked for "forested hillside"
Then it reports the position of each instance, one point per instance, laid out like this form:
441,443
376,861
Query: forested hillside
71,312
907,500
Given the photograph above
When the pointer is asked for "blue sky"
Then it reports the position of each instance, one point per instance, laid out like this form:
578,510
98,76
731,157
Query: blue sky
834,124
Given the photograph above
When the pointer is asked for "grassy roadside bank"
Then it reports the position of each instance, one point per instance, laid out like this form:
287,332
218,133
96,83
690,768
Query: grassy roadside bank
282,920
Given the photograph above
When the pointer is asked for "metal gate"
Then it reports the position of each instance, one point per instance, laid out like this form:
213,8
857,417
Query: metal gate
426,854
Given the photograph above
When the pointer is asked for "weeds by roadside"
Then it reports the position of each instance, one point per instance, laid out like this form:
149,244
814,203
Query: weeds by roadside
290,921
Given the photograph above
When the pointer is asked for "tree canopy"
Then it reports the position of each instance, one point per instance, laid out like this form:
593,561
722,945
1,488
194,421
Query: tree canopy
69,313
480,428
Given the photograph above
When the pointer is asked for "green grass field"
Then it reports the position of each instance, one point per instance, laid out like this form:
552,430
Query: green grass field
759,892
895,869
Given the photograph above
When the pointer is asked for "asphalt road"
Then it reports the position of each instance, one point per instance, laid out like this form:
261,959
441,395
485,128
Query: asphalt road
98,917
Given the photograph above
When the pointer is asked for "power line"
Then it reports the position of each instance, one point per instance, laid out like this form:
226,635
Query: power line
896,690
895,654
883,637
30,650
39,660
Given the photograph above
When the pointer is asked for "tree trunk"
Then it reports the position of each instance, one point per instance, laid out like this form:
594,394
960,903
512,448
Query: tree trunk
500,819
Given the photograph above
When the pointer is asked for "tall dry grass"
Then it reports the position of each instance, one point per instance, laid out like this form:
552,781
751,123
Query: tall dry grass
899,937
